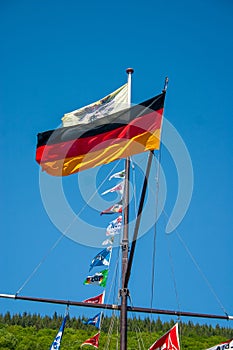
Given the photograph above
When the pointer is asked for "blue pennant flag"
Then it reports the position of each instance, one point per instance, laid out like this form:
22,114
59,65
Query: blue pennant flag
102,258
94,321
57,341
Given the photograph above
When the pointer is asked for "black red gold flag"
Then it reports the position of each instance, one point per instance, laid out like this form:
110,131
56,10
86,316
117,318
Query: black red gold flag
134,130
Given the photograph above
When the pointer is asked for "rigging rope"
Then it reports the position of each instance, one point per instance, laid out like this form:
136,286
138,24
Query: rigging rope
156,214
134,185
173,276
64,233
117,336
157,162
114,278
38,266
113,286
199,269
110,330
157,178
137,329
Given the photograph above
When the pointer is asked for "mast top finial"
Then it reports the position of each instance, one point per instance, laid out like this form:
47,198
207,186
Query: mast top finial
165,84
129,70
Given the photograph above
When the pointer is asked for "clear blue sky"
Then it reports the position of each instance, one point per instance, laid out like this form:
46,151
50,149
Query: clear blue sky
57,56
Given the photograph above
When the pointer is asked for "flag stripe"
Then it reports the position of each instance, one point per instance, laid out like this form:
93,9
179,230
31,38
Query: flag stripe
124,148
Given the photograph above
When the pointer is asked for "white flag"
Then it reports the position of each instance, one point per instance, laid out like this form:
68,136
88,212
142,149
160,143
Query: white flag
114,227
114,102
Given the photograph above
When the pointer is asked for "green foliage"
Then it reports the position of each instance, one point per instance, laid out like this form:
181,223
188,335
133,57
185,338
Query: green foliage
7,339
27,332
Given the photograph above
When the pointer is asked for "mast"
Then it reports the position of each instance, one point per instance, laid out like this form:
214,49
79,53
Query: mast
125,240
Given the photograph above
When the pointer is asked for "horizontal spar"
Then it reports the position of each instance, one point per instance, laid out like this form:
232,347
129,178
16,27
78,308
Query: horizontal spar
117,307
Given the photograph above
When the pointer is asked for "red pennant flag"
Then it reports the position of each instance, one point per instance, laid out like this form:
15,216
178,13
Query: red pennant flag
116,208
99,299
94,341
169,341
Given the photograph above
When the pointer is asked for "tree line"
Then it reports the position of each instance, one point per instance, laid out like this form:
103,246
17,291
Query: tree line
32,331
146,324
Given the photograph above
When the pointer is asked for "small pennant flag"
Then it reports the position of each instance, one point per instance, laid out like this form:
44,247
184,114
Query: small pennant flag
99,299
108,241
119,188
102,258
116,208
94,341
112,103
99,278
119,175
225,345
114,227
169,341
94,321
57,341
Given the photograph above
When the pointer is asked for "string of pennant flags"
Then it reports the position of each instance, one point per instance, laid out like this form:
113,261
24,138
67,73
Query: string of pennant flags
102,259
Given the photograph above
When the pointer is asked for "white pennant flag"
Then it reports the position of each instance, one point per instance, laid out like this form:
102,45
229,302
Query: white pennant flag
114,227
119,187
119,175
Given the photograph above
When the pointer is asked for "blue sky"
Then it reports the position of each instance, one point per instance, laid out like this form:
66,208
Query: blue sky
58,56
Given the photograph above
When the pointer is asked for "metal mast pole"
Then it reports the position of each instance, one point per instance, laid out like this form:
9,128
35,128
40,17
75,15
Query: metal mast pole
125,240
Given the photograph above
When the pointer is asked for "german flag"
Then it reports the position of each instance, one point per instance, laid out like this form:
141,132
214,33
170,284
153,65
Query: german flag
134,130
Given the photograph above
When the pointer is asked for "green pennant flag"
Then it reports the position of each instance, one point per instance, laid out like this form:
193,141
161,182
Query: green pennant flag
99,278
